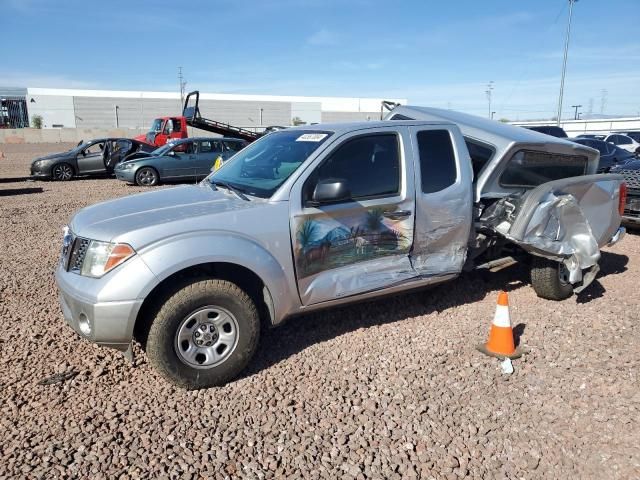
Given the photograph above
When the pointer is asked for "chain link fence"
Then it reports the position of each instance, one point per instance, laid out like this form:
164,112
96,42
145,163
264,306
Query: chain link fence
13,112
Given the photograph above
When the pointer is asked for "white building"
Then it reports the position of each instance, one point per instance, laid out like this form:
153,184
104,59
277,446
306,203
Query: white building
72,108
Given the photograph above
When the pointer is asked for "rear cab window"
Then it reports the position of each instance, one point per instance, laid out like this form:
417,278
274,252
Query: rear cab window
438,169
528,168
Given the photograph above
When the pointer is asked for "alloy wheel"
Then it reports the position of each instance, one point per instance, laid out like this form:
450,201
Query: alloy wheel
62,172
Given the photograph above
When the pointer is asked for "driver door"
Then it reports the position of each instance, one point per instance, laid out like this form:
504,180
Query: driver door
90,159
362,244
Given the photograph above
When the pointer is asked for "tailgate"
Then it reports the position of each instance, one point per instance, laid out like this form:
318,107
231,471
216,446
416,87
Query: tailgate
568,219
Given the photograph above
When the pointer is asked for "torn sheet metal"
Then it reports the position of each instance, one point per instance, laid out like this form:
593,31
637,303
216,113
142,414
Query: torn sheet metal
566,220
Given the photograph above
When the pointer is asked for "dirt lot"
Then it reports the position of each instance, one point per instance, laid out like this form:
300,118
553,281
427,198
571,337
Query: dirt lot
388,389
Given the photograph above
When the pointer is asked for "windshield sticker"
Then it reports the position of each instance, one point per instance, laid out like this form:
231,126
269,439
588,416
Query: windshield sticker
311,137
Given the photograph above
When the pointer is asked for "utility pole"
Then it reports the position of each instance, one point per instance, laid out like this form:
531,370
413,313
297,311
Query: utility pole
489,91
564,62
181,84
575,115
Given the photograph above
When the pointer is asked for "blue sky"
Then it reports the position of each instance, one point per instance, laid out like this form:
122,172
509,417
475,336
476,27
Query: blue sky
438,53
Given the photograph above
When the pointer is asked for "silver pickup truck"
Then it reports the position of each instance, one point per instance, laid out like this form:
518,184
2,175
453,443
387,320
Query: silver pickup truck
313,217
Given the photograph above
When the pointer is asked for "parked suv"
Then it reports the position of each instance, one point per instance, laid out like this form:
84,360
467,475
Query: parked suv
317,216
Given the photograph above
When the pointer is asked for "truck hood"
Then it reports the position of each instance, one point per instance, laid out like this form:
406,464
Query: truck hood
143,217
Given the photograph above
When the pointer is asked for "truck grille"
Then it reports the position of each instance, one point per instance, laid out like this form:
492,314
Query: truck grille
632,178
78,252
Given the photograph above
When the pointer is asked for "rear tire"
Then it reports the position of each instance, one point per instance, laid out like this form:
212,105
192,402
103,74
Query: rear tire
147,177
221,311
62,172
550,280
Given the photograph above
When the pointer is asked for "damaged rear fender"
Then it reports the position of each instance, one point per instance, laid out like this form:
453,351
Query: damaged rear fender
567,220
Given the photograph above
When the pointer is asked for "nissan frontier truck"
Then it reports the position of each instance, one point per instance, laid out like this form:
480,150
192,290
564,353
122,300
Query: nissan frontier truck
317,216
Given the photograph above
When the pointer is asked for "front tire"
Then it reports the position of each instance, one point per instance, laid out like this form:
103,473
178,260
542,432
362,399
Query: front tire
204,335
550,279
147,177
62,172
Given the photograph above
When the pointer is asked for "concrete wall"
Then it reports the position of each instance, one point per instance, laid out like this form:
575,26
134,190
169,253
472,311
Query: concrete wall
241,113
337,117
308,112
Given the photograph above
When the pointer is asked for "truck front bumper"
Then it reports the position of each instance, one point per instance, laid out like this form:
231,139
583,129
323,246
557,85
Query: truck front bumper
93,307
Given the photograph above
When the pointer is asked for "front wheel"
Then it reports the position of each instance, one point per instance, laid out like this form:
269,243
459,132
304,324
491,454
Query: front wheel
62,172
550,279
147,177
204,335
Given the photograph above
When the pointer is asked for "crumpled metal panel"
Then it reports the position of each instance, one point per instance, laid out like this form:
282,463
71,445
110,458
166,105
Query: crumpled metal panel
567,220
442,233
355,279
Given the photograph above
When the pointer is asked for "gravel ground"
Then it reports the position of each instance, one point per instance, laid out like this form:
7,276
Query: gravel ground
387,389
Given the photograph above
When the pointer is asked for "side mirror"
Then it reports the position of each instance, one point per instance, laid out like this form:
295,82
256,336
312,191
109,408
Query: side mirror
330,190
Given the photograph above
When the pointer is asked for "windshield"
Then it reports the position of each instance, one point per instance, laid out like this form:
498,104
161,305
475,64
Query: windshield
263,166
156,126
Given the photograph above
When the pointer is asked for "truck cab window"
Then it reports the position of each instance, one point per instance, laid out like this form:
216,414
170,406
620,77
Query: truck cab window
370,166
437,161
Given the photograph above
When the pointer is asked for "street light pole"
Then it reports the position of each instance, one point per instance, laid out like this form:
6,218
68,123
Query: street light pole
564,62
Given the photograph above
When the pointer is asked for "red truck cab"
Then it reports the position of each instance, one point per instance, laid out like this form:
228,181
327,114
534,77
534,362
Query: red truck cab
164,129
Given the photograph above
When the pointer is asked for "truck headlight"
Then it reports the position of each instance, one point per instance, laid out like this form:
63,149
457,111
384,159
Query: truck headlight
103,256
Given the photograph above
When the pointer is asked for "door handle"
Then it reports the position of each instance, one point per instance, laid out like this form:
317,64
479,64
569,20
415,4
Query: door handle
397,214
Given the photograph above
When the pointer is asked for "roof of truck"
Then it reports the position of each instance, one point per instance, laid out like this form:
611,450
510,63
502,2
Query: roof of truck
345,127
478,127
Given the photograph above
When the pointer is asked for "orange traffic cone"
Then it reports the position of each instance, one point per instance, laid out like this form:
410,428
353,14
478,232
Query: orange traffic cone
501,343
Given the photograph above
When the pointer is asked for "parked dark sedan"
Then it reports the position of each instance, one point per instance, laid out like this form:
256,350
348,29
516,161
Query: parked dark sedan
610,155
187,159
96,157
550,130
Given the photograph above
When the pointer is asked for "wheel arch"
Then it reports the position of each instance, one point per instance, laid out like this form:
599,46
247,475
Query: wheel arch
151,167
68,161
244,277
